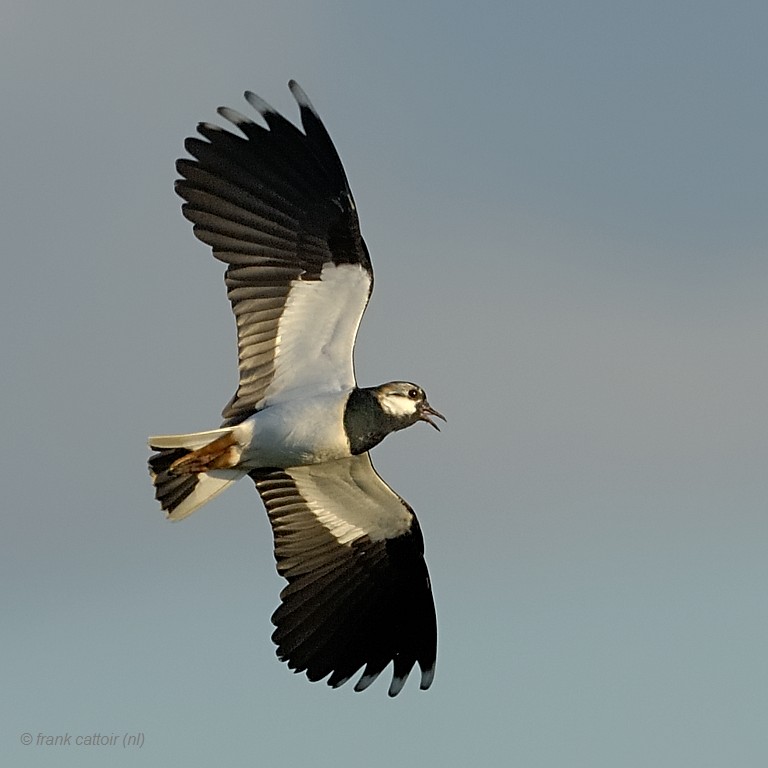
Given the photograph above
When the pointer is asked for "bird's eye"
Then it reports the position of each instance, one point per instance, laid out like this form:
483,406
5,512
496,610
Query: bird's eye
413,393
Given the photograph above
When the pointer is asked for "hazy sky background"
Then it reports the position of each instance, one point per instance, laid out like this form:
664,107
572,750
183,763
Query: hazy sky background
566,204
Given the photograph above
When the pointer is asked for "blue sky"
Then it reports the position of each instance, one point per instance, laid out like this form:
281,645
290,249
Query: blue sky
566,209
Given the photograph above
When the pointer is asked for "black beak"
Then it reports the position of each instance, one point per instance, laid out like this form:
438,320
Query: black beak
426,410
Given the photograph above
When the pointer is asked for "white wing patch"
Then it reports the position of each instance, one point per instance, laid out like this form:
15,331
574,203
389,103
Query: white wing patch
351,500
343,531
316,333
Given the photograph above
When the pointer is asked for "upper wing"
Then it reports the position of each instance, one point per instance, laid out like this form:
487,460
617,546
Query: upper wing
275,205
358,590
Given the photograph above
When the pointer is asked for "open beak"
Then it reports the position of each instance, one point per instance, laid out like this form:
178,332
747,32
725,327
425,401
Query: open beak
426,410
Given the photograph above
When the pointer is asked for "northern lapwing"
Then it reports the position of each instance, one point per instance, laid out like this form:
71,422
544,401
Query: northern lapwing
275,206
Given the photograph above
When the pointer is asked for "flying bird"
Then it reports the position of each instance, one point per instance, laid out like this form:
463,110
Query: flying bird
274,205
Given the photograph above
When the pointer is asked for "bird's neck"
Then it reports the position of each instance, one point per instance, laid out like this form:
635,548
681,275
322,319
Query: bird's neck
365,422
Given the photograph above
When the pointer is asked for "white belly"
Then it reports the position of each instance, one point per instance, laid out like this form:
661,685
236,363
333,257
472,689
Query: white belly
294,433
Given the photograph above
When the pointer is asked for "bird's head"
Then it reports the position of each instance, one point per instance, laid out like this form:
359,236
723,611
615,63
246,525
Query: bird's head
406,403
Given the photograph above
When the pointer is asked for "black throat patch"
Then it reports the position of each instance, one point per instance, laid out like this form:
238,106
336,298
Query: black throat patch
365,423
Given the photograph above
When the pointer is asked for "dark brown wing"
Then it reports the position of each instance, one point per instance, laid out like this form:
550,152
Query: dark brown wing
358,592
275,206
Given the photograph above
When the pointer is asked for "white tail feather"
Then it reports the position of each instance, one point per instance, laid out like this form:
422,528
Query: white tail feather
209,485
193,440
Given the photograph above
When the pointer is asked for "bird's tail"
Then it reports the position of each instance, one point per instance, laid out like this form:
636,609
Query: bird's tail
179,487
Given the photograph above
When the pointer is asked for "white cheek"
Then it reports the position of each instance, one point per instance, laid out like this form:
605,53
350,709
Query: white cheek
398,406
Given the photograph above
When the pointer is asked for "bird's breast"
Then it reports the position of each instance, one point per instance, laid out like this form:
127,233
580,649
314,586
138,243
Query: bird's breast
295,433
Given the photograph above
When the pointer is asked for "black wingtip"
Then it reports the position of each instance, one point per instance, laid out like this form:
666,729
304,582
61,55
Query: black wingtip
259,104
301,97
